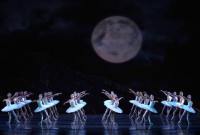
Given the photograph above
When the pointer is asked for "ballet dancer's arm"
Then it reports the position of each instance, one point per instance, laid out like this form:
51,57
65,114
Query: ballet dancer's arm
34,100
131,91
83,95
146,94
5,99
164,92
66,102
57,94
120,98
106,93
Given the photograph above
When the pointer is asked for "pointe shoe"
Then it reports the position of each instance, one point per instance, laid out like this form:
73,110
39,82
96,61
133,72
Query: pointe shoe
8,122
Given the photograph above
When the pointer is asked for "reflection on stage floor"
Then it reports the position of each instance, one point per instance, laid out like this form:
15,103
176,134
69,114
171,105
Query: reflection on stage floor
93,125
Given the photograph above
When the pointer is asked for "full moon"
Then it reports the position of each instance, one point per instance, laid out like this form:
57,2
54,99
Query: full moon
116,39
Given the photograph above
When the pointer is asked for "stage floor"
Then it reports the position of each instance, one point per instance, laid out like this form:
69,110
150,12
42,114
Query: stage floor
93,125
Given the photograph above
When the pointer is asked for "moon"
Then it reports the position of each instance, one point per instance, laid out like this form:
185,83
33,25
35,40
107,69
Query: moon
116,39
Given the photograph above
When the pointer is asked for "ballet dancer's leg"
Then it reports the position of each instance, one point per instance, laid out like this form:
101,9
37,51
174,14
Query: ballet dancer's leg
47,116
29,109
108,116
162,110
41,114
188,118
23,114
104,115
174,113
134,112
9,117
179,113
168,111
149,118
131,110
25,111
143,117
182,116
79,116
56,110
13,112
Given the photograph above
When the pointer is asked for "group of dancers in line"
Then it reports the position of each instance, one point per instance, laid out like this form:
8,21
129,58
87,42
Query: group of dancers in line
142,103
46,105
174,102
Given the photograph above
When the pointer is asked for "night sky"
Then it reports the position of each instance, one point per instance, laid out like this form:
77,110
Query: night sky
46,45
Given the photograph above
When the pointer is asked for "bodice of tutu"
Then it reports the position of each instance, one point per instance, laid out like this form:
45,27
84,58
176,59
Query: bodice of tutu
151,104
175,99
136,98
190,103
51,99
72,103
16,100
40,103
45,101
146,101
112,102
116,103
8,102
182,100
78,100
169,98
140,99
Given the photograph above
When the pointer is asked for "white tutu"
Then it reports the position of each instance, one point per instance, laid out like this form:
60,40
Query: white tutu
107,102
50,104
189,109
166,103
42,108
82,102
134,102
12,107
113,108
179,105
27,101
147,107
55,102
75,108
173,103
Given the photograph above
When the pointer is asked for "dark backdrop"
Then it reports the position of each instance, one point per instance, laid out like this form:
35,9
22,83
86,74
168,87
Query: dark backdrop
45,46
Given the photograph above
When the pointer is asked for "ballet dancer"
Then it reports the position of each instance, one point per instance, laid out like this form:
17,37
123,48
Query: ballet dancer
50,99
146,100
173,103
55,102
74,109
166,102
114,109
178,105
25,101
78,100
131,114
41,108
26,94
11,107
110,101
149,108
17,100
187,108
50,105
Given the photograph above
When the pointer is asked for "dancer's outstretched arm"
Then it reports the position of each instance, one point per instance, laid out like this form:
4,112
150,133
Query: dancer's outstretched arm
66,102
131,91
165,92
